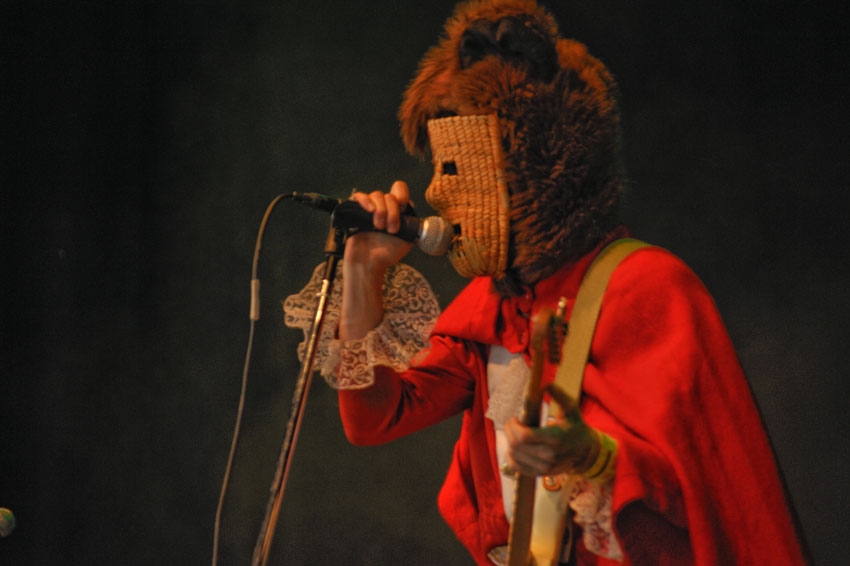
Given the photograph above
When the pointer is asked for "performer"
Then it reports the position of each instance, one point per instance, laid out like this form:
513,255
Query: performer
665,450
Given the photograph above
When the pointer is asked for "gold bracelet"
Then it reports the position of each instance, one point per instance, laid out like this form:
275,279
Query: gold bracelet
603,468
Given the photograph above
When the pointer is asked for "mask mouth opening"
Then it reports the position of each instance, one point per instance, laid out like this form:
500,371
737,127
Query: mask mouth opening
449,168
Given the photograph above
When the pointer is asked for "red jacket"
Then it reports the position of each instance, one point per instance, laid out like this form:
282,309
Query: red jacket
696,481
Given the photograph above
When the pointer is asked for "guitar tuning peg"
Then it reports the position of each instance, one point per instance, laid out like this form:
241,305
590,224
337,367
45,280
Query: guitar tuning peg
561,312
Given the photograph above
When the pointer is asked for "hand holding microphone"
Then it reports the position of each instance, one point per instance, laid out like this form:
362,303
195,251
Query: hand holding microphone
381,237
372,249
387,213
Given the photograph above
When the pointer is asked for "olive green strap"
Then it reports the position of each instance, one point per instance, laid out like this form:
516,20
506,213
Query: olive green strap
586,312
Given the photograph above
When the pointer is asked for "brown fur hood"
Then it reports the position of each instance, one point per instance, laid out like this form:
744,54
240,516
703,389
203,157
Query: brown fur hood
559,121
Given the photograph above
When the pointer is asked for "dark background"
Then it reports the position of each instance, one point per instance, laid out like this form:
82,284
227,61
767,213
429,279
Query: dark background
142,143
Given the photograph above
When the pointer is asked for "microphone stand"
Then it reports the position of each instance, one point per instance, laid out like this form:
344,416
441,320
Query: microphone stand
333,250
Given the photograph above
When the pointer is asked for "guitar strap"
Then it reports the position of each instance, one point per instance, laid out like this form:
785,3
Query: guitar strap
585,313
552,498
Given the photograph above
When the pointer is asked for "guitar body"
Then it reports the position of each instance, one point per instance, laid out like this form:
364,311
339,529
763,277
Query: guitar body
551,507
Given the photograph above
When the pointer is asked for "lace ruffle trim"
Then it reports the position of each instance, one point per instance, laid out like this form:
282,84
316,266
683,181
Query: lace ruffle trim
592,504
410,311
506,400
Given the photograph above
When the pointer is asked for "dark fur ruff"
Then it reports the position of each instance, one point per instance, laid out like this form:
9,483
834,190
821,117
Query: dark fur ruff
559,120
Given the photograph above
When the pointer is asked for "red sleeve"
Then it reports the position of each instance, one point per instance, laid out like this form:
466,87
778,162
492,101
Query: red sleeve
437,387
663,378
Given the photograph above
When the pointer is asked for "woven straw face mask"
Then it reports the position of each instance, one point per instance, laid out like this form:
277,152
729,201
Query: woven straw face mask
469,190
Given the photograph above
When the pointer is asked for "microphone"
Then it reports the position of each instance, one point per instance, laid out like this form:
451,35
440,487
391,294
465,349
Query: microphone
7,522
433,234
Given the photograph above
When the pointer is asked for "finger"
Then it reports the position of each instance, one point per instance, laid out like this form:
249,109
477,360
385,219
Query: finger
520,435
393,214
517,433
401,193
399,196
379,209
363,200
531,462
530,452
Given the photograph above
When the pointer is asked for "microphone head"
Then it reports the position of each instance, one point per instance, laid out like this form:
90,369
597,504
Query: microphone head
435,235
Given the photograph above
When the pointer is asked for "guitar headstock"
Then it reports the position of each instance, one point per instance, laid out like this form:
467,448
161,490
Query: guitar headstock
557,331
548,330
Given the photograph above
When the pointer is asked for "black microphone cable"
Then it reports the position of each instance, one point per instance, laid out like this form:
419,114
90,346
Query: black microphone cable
254,316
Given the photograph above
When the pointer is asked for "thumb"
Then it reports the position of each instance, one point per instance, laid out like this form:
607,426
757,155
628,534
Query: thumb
568,405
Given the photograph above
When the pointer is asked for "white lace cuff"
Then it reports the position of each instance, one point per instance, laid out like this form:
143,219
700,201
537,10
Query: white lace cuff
592,504
410,311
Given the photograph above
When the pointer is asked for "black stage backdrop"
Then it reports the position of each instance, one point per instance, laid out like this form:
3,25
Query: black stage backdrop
142,142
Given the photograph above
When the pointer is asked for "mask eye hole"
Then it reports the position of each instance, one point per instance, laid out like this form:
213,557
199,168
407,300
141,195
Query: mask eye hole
449,168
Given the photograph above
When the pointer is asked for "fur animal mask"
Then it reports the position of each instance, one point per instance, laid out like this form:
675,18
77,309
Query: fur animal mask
558,121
